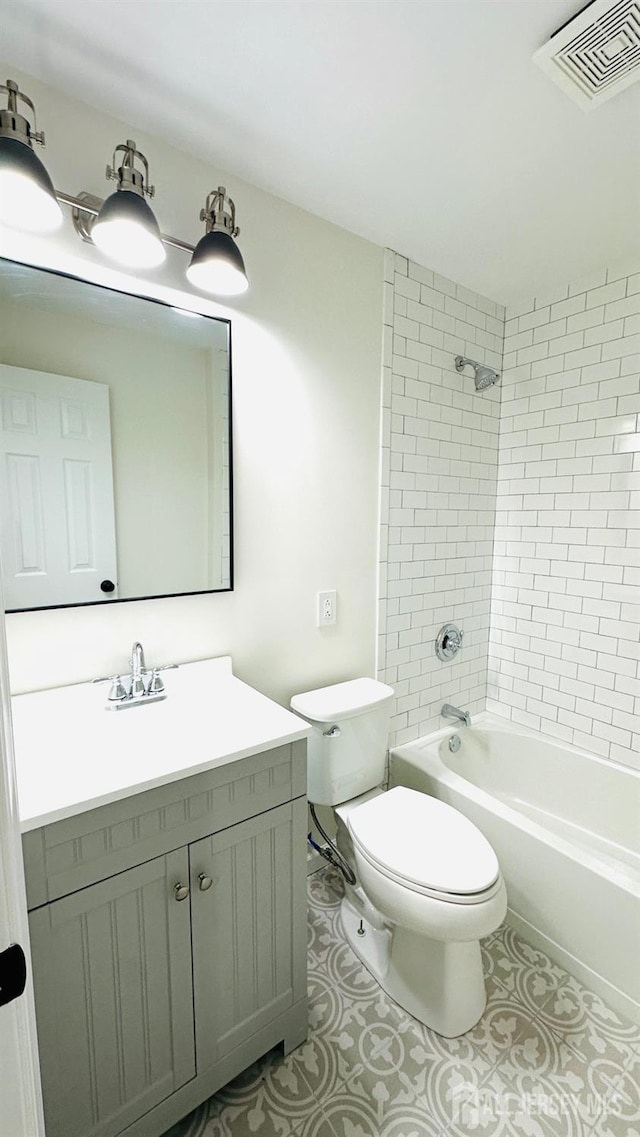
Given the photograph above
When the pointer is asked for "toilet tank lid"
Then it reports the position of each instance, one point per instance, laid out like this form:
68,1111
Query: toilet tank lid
342,700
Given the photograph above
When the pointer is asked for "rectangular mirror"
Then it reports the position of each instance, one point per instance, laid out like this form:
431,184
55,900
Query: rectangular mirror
115,445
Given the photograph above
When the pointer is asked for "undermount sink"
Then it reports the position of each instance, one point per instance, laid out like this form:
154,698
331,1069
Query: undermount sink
72,756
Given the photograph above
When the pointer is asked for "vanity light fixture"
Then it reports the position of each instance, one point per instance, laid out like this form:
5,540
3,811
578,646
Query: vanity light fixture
124,226
126,229
217,264
26,191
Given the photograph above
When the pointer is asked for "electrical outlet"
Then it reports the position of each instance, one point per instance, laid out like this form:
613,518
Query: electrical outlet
327,606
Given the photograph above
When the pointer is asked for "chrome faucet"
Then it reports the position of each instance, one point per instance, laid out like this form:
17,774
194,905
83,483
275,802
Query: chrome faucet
142,685
138,671
449,712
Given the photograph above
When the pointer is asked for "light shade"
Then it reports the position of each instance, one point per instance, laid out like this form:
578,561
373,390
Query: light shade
27,197
126,231
217,265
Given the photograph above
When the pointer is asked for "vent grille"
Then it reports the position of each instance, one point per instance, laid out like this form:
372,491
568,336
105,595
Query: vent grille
597,54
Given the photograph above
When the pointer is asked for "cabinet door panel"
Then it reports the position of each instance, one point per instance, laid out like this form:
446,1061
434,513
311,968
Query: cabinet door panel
113,985
245,971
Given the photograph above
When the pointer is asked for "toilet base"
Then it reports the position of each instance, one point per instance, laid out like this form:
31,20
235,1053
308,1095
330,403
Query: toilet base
440,984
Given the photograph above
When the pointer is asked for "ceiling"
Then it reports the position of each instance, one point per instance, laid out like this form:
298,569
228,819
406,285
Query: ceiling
418,124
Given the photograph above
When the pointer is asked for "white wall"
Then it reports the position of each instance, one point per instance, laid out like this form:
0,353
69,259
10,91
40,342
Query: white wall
565,627
306,373
439,467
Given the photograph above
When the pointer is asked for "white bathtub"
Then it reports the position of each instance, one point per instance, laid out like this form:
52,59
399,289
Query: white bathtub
566,828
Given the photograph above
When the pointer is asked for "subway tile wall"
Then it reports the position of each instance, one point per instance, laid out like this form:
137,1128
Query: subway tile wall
439,475
565,623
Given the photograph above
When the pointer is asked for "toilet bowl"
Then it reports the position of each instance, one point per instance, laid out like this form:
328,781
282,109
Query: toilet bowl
428,884
435,880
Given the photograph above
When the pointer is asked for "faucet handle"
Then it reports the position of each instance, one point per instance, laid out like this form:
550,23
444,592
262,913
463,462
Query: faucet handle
156,686
117,691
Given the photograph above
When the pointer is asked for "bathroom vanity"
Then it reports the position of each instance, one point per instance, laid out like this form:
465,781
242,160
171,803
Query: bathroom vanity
165,873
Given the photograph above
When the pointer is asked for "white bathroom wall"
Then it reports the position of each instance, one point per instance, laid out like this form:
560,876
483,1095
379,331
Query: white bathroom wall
306,421
439,468
565,629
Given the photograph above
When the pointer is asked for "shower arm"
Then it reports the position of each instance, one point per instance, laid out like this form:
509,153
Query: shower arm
462,362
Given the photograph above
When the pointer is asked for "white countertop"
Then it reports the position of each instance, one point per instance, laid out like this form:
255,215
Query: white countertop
73,755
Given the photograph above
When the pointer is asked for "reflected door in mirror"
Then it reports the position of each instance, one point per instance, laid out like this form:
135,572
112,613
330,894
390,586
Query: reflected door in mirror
58,528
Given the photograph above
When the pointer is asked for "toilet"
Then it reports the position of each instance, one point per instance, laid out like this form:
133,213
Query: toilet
428,884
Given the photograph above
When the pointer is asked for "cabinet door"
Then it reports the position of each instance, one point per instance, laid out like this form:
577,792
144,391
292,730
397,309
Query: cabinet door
249,928
113,987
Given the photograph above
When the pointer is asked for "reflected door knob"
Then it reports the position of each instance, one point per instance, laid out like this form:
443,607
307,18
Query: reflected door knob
180,891
204,882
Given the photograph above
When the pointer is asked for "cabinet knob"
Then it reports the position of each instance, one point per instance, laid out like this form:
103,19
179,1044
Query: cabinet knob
180,891
205,882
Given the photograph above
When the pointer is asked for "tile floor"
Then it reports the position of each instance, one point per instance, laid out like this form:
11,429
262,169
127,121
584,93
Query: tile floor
547,1059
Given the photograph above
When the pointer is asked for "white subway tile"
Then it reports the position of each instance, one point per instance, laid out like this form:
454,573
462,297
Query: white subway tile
616,349
443,284
603,333
568,307
519,306
588,282
550,331
563,531
606,294
588,319
531,354
630,306
418,272
533,318
404,286
585,356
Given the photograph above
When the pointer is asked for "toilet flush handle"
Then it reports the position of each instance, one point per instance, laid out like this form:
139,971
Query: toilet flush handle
332,732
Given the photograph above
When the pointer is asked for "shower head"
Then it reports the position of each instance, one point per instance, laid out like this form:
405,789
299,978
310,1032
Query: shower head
485,376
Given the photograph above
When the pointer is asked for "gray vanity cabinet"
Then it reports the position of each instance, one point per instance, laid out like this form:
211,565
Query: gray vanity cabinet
150,996
112,978
246,971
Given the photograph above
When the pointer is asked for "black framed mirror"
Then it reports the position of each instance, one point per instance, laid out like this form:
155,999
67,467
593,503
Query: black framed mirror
115,445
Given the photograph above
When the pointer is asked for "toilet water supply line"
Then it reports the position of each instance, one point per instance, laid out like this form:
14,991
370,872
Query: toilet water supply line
331,853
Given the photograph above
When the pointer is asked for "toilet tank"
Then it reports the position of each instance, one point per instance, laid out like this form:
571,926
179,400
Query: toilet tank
348,747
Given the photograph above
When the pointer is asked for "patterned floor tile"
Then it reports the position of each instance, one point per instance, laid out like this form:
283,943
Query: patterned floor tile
620,1116
325,890
370,1108
329,955
614,1123
519,1109
268,1100
588,1025
345,1032
522,970
317,1125
193,1125
547,1059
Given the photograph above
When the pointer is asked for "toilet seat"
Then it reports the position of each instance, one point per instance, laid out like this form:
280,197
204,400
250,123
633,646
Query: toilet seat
426,846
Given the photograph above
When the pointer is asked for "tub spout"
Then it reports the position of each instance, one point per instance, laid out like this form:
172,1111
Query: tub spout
449,712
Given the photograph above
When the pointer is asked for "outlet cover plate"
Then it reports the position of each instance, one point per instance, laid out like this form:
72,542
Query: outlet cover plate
327,608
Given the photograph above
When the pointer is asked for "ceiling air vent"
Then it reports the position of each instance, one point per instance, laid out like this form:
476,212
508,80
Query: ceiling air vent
597,53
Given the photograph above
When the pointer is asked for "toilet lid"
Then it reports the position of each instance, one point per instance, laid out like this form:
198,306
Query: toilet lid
424,842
